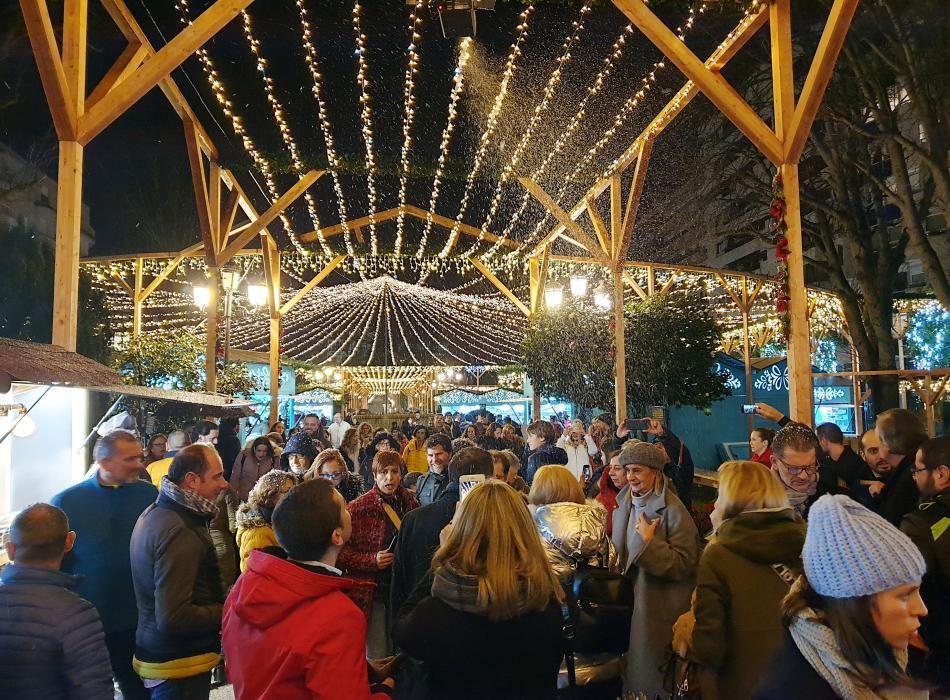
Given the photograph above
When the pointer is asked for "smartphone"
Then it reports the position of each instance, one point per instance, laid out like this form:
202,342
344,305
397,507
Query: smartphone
587,473
637,424
392,545
749,409
467,482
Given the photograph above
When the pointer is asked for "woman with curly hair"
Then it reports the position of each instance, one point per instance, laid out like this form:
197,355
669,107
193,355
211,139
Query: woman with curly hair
253,518
331,466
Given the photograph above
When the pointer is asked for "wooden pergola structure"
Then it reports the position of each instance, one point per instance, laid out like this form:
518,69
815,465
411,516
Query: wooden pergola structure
79,116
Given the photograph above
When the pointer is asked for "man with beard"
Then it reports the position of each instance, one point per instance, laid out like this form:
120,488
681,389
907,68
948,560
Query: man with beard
887,487
929,527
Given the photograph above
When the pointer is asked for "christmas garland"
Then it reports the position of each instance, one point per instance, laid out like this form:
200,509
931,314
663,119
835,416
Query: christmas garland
778,229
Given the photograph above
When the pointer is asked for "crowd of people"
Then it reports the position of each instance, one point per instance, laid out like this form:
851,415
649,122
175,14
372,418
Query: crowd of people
446,558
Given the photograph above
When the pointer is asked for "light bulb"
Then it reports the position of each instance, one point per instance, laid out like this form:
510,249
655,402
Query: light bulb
202,296
602,296
24,428
256,294
553,296
578,286
441,376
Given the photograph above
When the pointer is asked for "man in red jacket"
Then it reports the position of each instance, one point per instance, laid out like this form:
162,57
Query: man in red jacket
289,629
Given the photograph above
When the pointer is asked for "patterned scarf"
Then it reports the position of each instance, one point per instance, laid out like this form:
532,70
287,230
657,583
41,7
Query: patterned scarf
188,499
818,645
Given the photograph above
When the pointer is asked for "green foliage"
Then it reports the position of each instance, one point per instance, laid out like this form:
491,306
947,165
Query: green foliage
566,355
670,343
166,360
234,380
669,339
26,296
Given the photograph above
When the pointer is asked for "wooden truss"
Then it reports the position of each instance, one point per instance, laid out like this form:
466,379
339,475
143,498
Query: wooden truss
79,116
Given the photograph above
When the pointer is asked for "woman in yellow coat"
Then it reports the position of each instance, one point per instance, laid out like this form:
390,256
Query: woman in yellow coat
415,452
253,518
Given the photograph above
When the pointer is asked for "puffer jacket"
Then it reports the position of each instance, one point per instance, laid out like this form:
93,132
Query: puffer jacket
573,534
51,640
739,595
254,531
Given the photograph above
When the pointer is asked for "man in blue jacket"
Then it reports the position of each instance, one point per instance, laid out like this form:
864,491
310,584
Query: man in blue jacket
103,510
51,641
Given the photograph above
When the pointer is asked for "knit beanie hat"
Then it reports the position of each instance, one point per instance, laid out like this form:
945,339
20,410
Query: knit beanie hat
637,452
851,552
300,444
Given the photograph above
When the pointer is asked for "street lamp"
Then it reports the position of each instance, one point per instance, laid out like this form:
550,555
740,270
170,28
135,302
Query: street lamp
441,376
256,294
602,296
578,286
553,296
202,296
458,376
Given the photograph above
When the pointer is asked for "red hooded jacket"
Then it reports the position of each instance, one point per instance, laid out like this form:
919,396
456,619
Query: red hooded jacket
607,496
290,633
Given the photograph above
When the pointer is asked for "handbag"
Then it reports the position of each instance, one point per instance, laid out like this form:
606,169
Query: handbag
600,603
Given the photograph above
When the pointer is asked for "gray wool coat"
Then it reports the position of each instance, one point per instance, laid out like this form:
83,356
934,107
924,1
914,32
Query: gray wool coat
664,574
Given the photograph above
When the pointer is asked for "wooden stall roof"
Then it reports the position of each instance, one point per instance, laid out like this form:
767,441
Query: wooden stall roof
39,363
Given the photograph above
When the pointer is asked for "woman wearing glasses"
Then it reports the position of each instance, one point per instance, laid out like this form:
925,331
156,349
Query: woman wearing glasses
330,465
658,546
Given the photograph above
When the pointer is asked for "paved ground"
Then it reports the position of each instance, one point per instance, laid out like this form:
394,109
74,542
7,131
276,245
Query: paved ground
223,693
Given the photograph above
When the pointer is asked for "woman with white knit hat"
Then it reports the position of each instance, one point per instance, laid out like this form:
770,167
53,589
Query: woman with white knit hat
853,615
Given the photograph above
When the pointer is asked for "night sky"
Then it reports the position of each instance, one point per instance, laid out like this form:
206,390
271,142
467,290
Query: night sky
137,182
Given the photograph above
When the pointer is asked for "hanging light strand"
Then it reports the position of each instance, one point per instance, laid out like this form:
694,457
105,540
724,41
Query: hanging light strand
409,115
313,65
227,107
277,111
615,53
490,126
458,85
366,116
540,110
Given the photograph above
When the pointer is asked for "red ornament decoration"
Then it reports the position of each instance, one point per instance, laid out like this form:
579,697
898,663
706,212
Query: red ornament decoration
777,229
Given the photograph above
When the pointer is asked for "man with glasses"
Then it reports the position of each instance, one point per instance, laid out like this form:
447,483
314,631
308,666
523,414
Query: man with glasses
795,451
329,465
928,526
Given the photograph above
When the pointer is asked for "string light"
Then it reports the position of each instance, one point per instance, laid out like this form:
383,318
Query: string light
490,126
539,111
313,65
458,84
277,111
616,51
409,115
220,94
366,116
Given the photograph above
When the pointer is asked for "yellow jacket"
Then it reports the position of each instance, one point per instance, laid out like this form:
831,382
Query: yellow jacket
157,469
415,459
251,538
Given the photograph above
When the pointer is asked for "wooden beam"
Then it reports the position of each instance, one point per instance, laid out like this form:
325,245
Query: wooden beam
68,238
169,269
616,213
317,279
635,286
713,85
620,349
358,232
563,217
125,285
159,66
668,285
534,284
725,285
227,218
271,274
39,28
543,265
75,26
558,230
465,229
600,228
275,210
337,229
126,64
211,332
214,201
273,363
819,75
633,202
130,29
490,276
199,183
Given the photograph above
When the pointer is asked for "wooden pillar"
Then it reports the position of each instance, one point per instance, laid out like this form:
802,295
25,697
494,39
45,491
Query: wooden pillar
800,395
68,227
856,391
746,349
620,357
137,299
211,334
273,357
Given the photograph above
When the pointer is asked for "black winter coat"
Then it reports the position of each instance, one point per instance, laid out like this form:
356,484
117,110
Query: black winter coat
418,539
51,640
177,584
544,455
791,677
468,656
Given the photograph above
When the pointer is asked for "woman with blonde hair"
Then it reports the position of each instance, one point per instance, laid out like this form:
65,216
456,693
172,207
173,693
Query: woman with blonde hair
744,573
490,591
254,530
351,450
331,466
554,484
365,431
